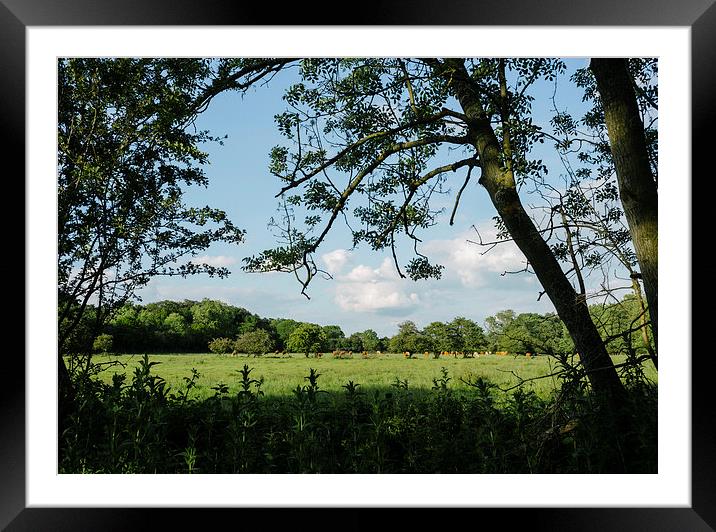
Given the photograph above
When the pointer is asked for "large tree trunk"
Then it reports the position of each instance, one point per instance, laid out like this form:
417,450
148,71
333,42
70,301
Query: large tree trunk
637,186
500,184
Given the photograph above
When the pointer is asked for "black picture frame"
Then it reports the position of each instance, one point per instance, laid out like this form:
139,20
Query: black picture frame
17,15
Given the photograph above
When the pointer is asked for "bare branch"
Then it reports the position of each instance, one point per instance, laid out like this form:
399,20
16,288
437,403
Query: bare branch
459,195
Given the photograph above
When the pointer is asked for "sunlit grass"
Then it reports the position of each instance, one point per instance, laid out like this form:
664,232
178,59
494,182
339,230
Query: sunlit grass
283,373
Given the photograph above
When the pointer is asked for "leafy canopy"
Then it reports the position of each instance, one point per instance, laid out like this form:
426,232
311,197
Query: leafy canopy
127,150
363,137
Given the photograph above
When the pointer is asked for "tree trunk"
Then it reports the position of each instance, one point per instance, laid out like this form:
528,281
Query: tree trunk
500,184
637,187
643,319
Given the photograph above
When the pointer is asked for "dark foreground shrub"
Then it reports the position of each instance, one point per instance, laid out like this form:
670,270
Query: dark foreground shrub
141,426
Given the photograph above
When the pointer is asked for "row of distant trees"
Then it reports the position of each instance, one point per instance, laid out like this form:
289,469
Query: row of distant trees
528,332
195,326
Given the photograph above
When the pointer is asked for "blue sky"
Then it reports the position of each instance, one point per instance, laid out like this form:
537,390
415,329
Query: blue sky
365,291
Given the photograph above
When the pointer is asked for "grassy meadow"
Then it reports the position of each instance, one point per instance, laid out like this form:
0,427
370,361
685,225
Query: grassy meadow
282,373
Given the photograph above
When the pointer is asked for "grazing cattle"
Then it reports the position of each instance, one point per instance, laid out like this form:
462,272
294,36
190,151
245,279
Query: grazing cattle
339,353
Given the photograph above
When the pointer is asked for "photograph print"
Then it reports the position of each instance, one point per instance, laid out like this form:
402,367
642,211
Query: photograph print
387,265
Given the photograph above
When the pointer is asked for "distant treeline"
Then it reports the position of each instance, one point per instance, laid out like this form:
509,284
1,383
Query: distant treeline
196,326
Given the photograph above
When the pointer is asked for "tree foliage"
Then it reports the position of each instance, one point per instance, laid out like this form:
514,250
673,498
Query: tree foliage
409,338
126,153
256,342
221,345
284,327
127,150
307,338
369,339
103,343
335,337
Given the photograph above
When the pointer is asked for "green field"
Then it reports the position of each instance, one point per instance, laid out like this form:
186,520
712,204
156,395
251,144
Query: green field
283,373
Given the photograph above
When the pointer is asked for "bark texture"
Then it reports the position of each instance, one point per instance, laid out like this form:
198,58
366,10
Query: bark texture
637,186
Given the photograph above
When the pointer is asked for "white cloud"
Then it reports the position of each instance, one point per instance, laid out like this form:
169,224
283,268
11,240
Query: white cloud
361,274
336,260
474,265
364,274
366,289
381,290
374,296
387,269
218,261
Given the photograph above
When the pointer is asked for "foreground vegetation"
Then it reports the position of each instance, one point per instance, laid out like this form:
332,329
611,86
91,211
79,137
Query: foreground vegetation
143,425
